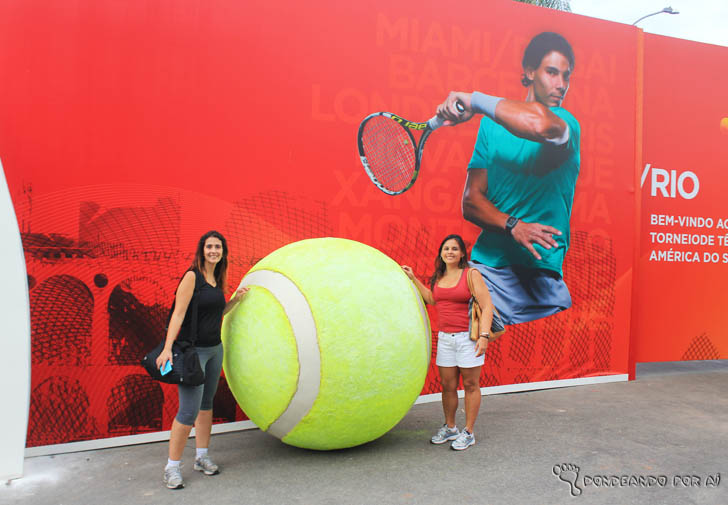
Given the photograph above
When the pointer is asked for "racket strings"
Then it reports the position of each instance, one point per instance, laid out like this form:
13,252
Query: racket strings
390,152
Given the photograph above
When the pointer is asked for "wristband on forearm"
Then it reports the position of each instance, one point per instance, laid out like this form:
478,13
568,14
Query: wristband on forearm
481,103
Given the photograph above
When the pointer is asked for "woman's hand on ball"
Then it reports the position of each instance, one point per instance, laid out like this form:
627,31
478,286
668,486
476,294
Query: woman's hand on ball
237,297
408,271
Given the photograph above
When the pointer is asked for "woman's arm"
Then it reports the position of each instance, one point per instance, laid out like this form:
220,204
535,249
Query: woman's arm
426,293
239,293
482,295
185,290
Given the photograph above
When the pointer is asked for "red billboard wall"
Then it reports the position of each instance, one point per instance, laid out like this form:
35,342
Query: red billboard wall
683,264
128,129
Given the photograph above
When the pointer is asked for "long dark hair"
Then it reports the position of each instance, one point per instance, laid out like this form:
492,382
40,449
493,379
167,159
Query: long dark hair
221,268
440,265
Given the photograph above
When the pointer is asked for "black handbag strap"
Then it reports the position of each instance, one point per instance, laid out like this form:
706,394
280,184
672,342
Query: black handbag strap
192,311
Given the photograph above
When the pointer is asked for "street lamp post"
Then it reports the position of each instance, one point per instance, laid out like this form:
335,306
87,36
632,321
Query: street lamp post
667,10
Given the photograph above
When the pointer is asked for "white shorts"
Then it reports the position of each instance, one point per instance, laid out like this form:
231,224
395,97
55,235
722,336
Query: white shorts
456,349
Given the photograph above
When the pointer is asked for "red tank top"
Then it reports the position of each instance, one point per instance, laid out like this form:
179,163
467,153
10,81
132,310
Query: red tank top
452,305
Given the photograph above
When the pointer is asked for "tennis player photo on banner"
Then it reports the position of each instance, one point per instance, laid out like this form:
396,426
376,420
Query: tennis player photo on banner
520,180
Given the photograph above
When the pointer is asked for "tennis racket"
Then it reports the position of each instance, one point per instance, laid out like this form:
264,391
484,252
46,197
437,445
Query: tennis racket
388,150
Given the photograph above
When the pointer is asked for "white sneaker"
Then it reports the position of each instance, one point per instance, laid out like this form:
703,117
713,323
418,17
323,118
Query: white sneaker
462,442
204,464
173,477
445,434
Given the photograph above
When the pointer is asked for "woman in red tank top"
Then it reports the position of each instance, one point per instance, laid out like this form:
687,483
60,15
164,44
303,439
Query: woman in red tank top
457,355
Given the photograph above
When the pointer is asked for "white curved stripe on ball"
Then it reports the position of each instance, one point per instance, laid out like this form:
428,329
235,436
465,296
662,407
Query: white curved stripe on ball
301,319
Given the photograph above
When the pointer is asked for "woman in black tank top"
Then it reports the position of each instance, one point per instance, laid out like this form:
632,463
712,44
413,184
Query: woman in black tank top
206,280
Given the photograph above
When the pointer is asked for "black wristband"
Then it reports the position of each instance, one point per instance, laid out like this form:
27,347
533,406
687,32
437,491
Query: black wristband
511,223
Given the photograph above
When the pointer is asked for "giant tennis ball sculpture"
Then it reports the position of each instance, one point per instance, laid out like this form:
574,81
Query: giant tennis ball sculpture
330,347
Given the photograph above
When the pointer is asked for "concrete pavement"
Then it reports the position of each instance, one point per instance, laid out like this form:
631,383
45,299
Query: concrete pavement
661,439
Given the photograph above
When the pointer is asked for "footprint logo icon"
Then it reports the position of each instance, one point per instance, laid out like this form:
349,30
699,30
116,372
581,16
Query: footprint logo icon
569,473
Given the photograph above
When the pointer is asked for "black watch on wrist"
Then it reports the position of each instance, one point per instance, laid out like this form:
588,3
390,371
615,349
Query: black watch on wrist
511,223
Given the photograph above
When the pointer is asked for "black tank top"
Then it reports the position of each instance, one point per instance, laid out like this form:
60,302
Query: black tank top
210,305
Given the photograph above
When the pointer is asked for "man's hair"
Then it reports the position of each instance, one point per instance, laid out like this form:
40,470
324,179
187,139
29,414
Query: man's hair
541,45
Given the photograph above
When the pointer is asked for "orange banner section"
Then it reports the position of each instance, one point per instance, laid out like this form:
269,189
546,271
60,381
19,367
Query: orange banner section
683,264
131,128
639,123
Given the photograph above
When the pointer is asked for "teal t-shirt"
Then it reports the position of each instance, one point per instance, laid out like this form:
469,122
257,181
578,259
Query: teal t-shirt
529,180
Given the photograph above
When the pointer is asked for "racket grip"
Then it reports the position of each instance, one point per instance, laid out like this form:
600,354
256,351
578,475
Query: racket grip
435,122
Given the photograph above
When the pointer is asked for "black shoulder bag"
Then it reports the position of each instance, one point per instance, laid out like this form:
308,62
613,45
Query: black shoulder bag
186,369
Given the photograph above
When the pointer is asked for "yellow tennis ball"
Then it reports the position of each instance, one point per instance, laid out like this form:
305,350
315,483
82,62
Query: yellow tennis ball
330,347
724,125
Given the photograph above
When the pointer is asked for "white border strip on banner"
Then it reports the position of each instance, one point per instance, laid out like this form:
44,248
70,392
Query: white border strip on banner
532,386
144,438
15,357
162,436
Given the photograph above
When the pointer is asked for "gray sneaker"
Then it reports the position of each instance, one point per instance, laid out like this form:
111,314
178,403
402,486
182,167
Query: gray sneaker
173,477
462,442
445,434
205,464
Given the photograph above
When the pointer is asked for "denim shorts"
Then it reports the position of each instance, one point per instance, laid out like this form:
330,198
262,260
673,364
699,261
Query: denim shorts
524,294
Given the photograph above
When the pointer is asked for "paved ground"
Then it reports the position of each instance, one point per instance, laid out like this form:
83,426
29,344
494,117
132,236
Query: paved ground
671,423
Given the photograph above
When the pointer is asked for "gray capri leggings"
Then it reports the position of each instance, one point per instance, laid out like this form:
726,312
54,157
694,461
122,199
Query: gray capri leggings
192,399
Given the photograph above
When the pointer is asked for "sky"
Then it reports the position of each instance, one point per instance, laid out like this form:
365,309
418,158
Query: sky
699,20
